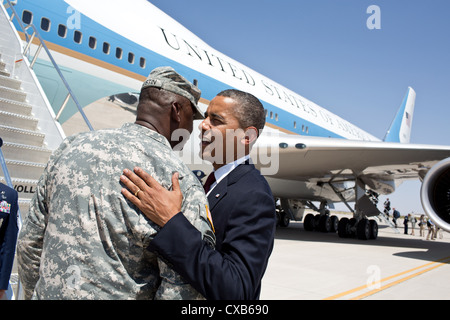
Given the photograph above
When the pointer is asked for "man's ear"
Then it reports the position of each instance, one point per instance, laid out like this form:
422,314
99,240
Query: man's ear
251,134
176,112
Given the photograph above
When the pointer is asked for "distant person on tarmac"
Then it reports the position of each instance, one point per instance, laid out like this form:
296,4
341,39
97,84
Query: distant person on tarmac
405,223
413,221
387,207
395,215
430,226
422,225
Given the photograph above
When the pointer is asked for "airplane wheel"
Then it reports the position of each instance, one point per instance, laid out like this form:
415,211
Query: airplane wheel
363,229
352,228
284,219
325,223
308,222
343,231
373,229
334,224
316,221
278,216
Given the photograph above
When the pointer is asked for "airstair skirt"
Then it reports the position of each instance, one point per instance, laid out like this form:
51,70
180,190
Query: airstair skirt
28,127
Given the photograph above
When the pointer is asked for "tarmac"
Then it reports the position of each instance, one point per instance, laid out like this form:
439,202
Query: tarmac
321,266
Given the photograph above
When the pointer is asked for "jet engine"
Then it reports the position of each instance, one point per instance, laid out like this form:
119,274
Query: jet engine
435,194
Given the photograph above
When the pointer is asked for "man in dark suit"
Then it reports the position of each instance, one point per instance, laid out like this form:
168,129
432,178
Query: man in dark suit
8,233
240,200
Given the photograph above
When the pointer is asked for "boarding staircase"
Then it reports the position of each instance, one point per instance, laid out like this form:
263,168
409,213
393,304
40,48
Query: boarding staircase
28,125
369,208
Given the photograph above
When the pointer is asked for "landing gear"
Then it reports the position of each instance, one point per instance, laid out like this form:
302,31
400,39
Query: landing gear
363,229
323,223
282,219
357,227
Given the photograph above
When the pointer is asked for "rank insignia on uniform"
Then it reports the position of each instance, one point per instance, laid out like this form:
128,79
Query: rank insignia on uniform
5,207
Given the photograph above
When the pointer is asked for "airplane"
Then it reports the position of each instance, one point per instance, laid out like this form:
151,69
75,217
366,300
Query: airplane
308,155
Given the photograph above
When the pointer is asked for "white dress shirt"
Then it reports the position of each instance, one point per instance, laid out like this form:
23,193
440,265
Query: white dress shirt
222,172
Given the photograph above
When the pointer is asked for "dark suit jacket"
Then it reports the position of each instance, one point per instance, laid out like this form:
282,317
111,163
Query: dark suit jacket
243,214
8,232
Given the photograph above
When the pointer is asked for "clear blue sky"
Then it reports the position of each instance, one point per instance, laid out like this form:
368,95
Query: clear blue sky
324,51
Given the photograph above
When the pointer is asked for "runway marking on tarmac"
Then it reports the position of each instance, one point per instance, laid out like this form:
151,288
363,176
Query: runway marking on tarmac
436,264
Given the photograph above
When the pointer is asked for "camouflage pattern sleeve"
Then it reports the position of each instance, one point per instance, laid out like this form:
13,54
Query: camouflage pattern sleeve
173,286
31,236
30,244
194,208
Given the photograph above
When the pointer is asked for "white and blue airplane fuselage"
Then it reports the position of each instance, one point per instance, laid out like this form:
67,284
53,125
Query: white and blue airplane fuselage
109,47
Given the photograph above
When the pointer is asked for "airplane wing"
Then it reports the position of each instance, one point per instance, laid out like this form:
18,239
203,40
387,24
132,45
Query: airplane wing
323,160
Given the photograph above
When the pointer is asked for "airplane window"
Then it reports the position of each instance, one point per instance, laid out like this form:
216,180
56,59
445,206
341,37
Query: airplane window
276,116
271,115
77,36
45,24
62,31
295,124
265,113
92,42
307,130
27,17
119,53
131,57
303,127
106,47
142,63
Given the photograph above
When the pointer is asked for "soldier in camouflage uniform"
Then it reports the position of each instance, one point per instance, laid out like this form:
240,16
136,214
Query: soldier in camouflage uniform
82,239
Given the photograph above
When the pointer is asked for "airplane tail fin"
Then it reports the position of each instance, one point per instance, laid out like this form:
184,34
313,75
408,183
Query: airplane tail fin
400,130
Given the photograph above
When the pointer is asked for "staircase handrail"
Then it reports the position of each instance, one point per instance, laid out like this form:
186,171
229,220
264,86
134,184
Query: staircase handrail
29,40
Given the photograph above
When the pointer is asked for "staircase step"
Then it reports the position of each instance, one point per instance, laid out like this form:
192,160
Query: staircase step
16,151
9,134
12,94
25,188
15,107
3,71
382,217
10,82
25,170
18,121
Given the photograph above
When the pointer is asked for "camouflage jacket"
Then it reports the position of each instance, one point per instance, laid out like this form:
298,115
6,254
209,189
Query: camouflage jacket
83,239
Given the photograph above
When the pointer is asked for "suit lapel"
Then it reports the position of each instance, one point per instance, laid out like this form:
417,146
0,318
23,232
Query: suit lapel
220,191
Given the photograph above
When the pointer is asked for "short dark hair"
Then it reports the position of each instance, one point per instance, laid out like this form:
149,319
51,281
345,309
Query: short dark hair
249,110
